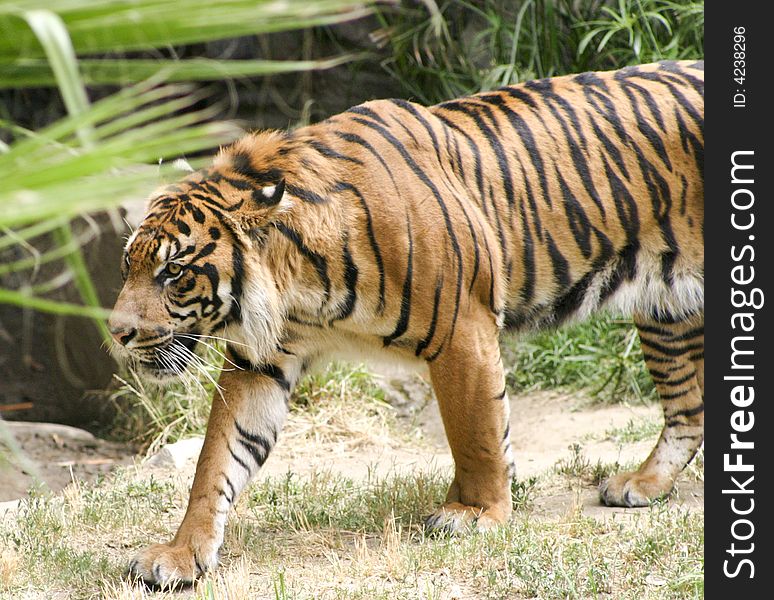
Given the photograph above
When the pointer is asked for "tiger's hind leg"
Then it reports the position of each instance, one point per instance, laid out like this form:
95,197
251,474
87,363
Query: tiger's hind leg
674,353
470,386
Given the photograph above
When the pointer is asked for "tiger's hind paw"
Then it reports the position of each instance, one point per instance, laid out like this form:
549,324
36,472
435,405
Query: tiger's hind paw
634,490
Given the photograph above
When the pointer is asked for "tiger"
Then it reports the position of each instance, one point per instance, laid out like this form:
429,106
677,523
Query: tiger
396,231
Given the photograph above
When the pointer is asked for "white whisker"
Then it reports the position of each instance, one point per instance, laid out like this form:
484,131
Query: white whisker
214,349
215,337
186,355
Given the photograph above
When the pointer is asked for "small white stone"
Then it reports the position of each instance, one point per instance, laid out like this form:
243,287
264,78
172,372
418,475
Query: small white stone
176,455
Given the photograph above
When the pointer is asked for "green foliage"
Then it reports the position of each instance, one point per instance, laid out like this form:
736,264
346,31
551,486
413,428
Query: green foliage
458,47
635,430
111,27
601,356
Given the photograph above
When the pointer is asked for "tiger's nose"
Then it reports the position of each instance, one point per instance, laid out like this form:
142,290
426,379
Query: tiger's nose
121,334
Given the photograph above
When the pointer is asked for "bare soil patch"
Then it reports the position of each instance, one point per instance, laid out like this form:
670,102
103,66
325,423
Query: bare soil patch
57,454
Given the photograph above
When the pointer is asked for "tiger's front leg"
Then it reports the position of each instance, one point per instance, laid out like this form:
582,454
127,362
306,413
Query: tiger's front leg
470,386
244,423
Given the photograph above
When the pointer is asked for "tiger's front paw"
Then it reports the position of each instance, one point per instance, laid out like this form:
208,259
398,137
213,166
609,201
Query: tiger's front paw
454,517
169,565
634,489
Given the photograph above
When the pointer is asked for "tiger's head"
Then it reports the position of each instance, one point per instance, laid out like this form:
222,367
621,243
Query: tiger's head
195,269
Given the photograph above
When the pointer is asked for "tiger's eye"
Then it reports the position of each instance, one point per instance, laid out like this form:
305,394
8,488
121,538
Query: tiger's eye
173,269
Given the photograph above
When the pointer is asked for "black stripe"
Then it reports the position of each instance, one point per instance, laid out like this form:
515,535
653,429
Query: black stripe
183,227
362,110
545,88
253,438
625,206
673,352
258,457
269,370
695,82
494,143
473,236
405,305
612,150
205,251
519,94
576,217
523,134
671,335
238,460
304,194
408,131
409,107
645,128
356,139
341,185
350,282
674,395
318,260
608,111
230,487
652,358
559,264
527,291
651,103
222,492
242,164
569,302
688,412
433,320
576,151
257,445
476,158
331,153
275,373
690,140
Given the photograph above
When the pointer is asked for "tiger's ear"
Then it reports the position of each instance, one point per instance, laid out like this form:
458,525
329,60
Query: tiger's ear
262,205
270,195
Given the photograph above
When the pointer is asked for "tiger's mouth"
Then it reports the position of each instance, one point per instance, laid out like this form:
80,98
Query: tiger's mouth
170,360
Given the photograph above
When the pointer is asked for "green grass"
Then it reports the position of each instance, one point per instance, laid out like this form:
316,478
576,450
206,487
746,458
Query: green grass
636,430
442,50
328,500
600,357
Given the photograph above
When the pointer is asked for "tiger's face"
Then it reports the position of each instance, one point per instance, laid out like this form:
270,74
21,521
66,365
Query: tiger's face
180,271
202,262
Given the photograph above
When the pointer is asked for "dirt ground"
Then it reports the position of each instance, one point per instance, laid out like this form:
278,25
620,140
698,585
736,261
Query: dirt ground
56,454
543,426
